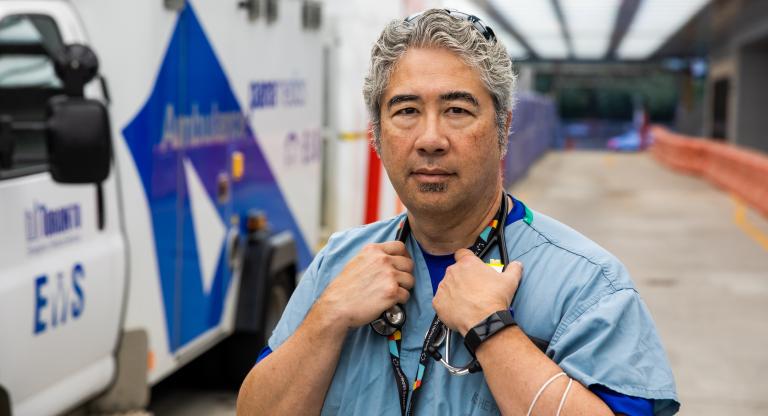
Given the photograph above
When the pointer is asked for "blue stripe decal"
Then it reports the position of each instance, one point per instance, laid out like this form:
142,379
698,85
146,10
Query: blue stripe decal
192,114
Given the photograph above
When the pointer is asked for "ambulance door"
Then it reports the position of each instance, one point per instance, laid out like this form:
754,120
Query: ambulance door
62,256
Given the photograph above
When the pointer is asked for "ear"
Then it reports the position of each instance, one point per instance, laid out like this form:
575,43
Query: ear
372,140
507,125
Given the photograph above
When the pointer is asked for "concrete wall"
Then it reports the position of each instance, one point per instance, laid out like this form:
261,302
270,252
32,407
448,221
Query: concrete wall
752,116
739,54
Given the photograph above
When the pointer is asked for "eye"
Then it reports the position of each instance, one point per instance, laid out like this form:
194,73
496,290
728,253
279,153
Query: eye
457,110
405,111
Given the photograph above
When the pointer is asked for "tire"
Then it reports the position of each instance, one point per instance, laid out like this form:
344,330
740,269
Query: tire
240,351
280,292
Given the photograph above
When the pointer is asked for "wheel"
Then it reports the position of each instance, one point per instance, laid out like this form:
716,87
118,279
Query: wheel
240,351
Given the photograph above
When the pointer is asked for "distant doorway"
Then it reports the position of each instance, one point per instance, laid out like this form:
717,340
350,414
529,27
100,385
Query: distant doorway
749,120
720,109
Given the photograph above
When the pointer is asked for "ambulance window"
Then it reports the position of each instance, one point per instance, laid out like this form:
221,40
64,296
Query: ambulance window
27,81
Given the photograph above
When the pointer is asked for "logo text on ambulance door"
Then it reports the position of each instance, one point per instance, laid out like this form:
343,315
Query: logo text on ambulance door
42,222
51,226
58,298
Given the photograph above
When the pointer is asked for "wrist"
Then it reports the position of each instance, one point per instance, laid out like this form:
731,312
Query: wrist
327,318
514,333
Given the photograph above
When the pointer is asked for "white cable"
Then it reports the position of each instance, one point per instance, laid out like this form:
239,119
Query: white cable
541,390
565,394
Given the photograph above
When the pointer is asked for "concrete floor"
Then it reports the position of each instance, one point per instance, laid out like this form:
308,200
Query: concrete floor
699,259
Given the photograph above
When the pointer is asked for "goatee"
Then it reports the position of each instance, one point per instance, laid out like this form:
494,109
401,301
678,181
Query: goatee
433,187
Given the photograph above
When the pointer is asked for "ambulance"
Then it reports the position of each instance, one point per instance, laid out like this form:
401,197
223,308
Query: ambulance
160,178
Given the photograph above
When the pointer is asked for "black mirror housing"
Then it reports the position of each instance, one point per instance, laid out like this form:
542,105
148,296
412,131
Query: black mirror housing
76,65
79,140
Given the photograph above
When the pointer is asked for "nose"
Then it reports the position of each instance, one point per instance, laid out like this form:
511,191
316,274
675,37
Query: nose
432,141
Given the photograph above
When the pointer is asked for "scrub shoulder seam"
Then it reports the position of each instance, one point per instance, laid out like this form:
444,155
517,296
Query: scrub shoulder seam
602,267
567,322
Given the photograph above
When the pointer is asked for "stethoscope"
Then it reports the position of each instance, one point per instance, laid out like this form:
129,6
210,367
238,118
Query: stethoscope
394,318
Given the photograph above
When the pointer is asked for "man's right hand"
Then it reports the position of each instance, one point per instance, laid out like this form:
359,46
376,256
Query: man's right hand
376,279
373,281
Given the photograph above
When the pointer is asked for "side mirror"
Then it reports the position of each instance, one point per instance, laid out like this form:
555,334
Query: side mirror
79,142
77,131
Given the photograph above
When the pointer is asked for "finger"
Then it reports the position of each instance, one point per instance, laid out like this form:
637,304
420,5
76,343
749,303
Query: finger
405,280
402,296
403,264
514,268
461,253
394,248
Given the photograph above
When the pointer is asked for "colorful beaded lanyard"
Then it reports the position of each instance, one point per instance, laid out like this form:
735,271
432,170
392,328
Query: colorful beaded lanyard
437,329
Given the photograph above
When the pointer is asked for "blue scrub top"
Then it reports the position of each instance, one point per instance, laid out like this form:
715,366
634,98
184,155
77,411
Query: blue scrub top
573,293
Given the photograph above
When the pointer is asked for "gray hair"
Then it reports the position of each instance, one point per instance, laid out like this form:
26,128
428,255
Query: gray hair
437,29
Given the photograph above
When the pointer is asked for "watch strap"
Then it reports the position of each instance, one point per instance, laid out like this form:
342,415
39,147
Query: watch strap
487,328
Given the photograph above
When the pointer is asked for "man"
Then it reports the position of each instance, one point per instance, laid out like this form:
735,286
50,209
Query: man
439,92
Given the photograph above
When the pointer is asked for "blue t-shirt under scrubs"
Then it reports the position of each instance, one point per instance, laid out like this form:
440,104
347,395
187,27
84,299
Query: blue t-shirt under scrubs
573,293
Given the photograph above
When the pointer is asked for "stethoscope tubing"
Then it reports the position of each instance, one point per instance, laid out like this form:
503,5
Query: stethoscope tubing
474,366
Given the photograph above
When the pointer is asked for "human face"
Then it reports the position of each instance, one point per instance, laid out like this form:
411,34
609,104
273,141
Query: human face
439,140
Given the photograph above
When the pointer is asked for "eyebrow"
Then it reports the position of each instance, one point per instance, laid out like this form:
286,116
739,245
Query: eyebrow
460,96
397,99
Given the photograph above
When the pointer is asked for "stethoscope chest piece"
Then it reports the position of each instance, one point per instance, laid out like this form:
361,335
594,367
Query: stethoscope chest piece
390,321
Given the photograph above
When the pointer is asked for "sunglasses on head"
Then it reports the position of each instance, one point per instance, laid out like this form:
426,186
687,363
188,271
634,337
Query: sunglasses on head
478,24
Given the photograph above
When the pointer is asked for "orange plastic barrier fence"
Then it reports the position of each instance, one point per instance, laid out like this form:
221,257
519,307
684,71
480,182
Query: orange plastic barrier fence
736,170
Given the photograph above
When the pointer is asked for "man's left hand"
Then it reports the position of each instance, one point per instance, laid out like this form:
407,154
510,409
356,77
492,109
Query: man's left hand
472,290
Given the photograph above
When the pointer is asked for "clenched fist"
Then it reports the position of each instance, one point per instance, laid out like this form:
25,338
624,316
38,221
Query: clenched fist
376,279
471,290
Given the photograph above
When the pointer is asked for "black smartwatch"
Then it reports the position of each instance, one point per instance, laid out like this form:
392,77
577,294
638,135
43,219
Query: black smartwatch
487,328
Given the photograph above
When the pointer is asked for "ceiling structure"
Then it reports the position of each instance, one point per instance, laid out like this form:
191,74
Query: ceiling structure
583,30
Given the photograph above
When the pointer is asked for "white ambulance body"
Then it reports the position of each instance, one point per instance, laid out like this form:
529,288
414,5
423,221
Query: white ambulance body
215,113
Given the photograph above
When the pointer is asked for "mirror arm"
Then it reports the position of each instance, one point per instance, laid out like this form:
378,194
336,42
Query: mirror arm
6,141
105,89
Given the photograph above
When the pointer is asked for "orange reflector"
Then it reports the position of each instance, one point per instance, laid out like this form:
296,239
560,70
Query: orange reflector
238,165
150,361
257,221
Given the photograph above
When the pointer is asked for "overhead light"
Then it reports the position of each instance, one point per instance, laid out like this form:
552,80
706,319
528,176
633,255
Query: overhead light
514,49
590,24
537,23
654,23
